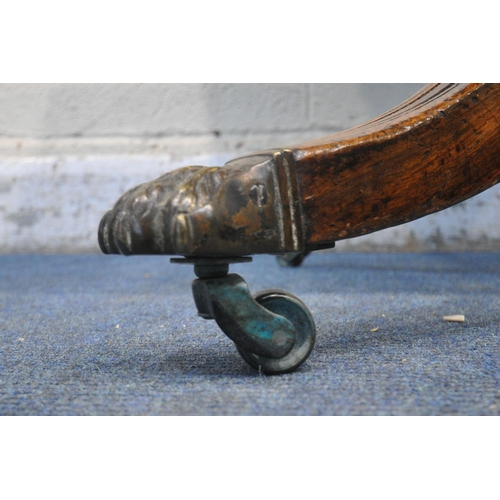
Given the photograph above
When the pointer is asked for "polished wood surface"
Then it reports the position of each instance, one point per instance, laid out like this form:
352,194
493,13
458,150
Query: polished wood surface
436,149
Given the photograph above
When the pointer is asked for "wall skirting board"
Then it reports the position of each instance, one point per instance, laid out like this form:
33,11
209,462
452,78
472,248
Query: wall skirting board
53,204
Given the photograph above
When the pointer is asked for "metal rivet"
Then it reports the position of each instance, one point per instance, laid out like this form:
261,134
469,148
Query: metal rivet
258,194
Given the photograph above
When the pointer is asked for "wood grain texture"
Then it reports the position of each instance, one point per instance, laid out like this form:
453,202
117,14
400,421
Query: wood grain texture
433,151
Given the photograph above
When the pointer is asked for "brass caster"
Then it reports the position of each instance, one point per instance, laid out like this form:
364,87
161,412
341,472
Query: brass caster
274,331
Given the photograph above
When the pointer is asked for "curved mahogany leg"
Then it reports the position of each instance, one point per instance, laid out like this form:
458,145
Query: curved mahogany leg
436,149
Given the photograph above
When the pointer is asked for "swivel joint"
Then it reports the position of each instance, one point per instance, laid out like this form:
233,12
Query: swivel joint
273,332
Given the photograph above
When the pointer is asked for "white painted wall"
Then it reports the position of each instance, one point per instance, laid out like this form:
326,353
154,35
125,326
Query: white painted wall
68,151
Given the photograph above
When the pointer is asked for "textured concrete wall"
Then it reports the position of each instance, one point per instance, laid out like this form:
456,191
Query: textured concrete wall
67,151
160,110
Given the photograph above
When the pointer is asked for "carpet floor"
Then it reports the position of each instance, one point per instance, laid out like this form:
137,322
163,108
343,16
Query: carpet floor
108,335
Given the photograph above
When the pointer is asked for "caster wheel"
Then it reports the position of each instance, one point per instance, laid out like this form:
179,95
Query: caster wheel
295,311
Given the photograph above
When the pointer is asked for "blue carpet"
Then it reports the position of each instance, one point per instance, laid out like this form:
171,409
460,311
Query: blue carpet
109,335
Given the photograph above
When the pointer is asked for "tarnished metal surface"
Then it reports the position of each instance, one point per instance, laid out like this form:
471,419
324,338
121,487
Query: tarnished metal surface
248,324
274,331
249,206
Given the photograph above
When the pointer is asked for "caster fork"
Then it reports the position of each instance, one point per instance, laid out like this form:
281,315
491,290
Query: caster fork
274,332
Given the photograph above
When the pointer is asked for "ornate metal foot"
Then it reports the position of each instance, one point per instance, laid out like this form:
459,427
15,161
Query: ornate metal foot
212,216
274,331
249,206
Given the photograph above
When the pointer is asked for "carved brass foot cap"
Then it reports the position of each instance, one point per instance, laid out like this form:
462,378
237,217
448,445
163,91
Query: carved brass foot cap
242,208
